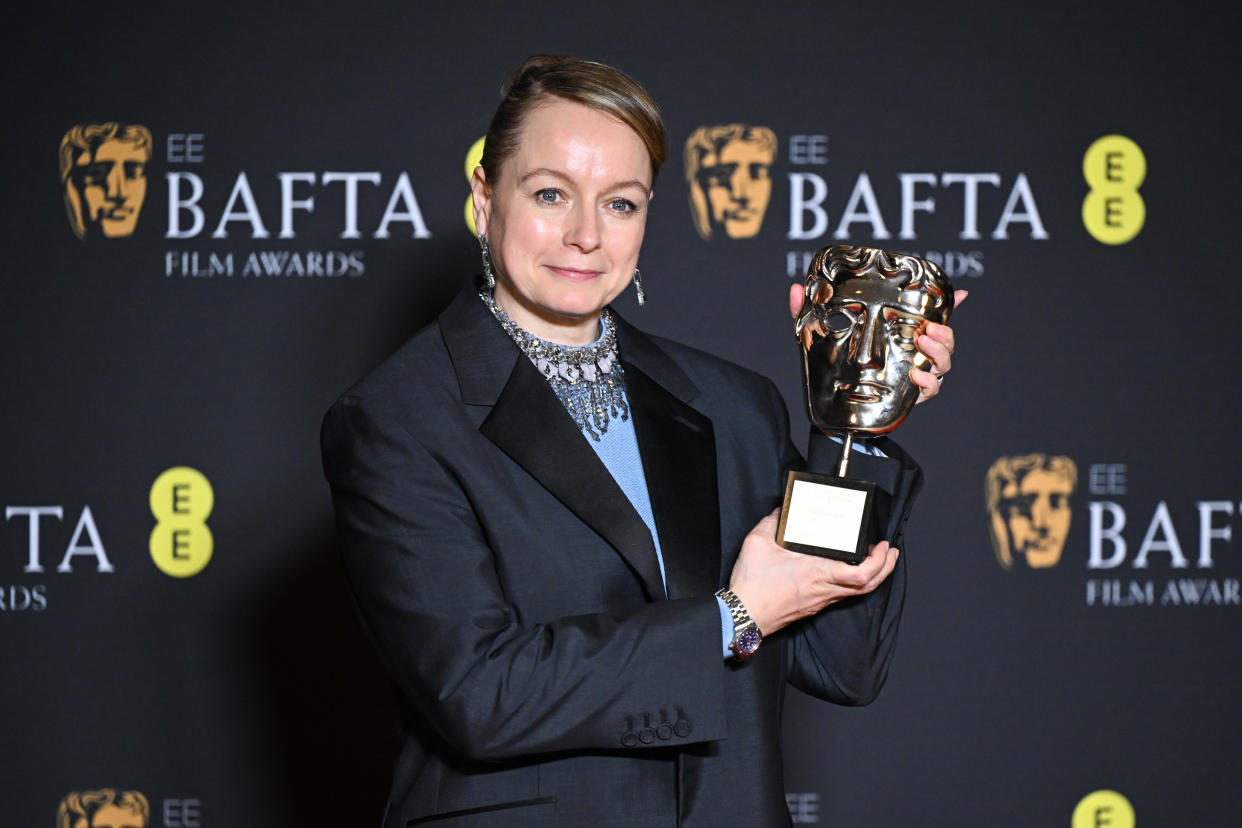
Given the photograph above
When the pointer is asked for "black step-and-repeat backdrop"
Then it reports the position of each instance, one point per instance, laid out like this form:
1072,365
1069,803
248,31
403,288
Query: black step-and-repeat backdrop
219,217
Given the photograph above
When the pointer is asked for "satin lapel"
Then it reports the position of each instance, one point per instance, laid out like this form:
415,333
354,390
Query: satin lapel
679,460
531,426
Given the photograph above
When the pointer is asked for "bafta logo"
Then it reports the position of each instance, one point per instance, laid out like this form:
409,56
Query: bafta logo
1028,500
103,168
103,808
728,168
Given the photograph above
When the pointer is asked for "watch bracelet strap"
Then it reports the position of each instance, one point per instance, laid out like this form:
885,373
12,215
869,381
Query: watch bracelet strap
737,610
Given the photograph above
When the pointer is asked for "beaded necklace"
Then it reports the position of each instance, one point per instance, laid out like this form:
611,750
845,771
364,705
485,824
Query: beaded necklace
588,379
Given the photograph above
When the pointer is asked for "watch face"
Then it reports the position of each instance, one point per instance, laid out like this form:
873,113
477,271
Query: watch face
748,642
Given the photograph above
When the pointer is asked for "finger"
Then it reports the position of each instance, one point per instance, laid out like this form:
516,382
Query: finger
940,334
877,557
767,526
796,294
929,385
959,296
878,561
855,578
938,352
890,563
886,563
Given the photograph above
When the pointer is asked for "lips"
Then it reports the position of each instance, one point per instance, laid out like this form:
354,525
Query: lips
575,274
863,391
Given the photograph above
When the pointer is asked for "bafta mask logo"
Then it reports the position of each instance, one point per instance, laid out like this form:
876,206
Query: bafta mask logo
103,808
729,170
103,168
1028,501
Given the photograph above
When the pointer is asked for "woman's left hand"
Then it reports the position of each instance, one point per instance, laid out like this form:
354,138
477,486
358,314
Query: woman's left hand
937,342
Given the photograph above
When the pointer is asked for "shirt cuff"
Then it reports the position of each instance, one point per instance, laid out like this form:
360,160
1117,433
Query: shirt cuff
726,628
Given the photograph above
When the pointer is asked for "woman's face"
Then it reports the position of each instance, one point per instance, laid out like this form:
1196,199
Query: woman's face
566,219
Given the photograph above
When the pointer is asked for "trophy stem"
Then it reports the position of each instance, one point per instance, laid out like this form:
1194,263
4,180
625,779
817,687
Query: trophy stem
847,446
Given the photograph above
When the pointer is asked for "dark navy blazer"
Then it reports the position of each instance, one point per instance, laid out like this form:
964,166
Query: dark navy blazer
515,597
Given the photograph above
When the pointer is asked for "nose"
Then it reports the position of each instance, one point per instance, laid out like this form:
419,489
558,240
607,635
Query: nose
583,228
1041,513
869,344
116,183
739,185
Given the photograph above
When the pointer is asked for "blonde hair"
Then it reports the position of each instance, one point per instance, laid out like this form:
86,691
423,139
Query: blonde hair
600,87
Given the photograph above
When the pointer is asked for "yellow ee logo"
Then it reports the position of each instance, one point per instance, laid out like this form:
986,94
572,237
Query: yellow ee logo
473,156
181,500
1113,211
1103,809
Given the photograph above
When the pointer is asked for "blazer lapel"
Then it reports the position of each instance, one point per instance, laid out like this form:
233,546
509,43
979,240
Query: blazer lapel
530,425
679,459
678,448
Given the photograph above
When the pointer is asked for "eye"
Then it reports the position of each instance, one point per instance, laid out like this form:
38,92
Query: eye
97,172
838,321
622,206
719,175
549,195
134,169
1020,506
903,328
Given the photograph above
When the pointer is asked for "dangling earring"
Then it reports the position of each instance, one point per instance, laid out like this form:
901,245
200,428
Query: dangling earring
489,275
638,287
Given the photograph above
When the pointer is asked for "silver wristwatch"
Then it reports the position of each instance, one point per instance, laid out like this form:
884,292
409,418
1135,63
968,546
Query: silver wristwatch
746,635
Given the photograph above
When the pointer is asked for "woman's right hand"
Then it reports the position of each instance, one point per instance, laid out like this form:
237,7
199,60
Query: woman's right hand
778,586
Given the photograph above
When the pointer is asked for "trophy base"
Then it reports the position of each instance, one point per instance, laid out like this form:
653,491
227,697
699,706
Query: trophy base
827,516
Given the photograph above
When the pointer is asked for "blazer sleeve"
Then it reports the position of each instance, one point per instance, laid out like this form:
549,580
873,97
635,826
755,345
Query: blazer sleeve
490,686
842,654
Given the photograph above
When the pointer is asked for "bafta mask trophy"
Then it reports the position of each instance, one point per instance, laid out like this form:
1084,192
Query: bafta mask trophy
862,312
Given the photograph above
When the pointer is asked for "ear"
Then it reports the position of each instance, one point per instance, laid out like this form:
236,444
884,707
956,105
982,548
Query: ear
481,195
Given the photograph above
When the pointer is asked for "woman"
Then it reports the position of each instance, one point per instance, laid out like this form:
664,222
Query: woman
538,504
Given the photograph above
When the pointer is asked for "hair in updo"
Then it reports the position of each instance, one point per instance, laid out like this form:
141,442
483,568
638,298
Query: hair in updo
602,88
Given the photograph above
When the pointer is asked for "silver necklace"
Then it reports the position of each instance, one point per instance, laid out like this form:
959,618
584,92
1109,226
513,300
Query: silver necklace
588,380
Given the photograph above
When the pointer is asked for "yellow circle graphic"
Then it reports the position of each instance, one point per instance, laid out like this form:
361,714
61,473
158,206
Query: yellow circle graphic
473,156
1103,809
1113,211
181,500
1114,161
